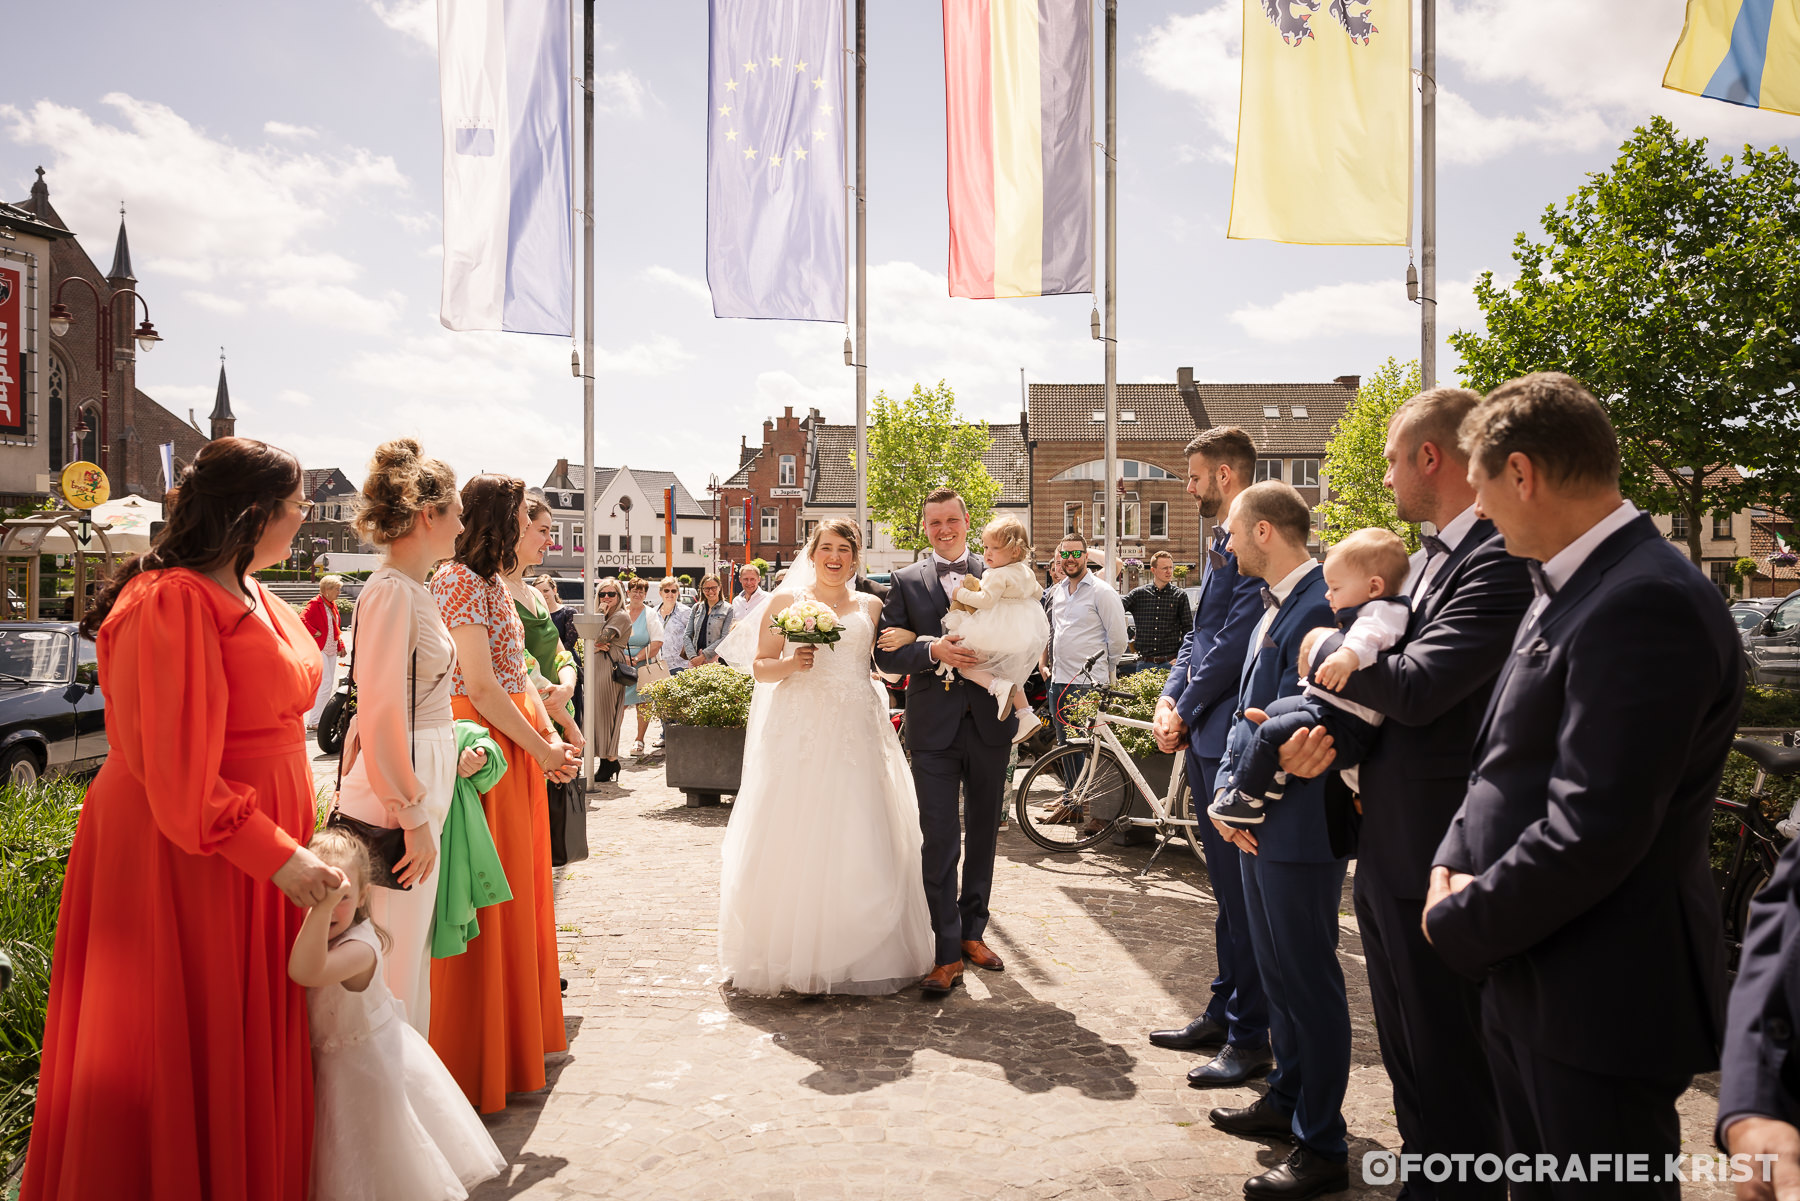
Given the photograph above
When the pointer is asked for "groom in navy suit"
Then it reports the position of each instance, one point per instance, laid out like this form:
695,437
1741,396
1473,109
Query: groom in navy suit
959,746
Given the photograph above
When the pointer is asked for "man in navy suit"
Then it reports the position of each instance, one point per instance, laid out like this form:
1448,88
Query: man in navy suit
1574,879
1195,712
1468,597
1293,879
959,746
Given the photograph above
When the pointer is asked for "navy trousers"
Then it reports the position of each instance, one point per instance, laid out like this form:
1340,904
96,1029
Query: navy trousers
959,913
1237,1001
1294,926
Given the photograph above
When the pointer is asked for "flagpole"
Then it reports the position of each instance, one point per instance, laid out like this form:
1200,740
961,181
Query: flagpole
862,273
1112,299
589,625
1428,194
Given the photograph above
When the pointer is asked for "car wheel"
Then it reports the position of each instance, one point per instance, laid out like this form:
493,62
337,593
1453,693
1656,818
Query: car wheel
19,768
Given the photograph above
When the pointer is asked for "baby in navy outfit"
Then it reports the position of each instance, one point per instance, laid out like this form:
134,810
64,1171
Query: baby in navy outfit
1362,575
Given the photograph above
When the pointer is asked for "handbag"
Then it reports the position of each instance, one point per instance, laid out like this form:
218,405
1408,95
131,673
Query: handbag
385,846
652,672
624,672
568,823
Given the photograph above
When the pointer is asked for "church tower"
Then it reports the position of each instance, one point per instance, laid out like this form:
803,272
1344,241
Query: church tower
224,421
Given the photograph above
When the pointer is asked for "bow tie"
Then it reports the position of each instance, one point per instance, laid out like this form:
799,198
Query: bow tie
1270,600
960,567
1434,546
1539,582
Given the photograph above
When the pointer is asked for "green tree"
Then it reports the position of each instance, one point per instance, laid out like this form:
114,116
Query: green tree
918,444
1354,461
1670,286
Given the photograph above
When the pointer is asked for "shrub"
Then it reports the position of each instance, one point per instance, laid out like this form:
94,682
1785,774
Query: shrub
716,695
1145,687
1770,707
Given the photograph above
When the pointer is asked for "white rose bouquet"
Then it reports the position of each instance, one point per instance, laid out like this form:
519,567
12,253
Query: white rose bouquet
810,622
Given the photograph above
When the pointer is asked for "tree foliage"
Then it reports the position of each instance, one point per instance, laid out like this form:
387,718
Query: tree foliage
1354,463
918,444
1670,286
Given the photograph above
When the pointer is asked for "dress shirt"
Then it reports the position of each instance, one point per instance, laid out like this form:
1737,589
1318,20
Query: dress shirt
1288,583
745,602
1452,535
1090,619
1567,561
1163,617
954,578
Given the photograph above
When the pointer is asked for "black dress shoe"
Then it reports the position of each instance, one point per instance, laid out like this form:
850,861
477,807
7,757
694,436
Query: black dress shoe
1231,1066
1197,1035
1304,1174
1262,1118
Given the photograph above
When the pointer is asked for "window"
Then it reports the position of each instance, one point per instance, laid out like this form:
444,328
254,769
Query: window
1128,520
578,535
1271,411
1722,526
687,546
1300,412
1159,519
59,408
1306,473
1678,527
807,528
646,544
734,524
1268,469
1129,469
770,530
1720,571
556,533
1786,616
603,542
786,471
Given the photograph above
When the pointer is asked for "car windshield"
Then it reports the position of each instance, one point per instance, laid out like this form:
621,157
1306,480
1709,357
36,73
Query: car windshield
1748,619
35,656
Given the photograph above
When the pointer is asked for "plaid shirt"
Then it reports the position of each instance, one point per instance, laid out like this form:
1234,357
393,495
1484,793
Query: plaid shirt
1163,616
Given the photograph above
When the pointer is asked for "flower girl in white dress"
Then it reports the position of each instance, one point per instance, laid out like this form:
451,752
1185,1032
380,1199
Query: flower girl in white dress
390,1124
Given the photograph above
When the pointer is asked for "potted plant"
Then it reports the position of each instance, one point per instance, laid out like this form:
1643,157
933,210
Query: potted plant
703,711
1145,688
1181,573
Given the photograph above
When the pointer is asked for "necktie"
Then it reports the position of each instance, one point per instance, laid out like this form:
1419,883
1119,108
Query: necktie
1434,546
1539,583
1270,600
946,570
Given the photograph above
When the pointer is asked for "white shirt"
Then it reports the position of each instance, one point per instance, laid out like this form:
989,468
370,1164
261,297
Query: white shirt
745,602
950,581
1090,619
1567,561
1377,628
1452,535
1282,589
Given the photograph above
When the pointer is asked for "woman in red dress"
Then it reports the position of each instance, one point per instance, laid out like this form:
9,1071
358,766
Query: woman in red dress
175,1061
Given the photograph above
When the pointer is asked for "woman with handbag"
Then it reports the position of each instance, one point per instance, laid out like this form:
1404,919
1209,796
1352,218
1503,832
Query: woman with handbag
399,759
645,650
175,1055
612,675
497,1008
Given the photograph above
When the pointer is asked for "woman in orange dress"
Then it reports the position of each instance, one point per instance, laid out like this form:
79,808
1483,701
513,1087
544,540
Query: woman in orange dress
175,1061
496,1009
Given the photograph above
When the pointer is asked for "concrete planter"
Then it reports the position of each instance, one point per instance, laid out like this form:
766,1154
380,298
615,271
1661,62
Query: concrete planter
1155,769
703,762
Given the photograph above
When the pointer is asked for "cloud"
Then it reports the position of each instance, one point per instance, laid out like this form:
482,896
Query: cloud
214,303
417,19
1375,308
684,283
620,93
338,307
293,398
267,208
1197,55
282,129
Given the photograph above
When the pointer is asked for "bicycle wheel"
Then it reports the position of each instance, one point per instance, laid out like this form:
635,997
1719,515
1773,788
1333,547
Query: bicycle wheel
1063,817
334,722
1185,808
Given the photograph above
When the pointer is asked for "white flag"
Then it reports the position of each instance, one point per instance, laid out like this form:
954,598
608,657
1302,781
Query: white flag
503,78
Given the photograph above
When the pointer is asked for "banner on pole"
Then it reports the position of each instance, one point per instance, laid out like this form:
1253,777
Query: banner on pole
775,238
1324,147
1740,51
669,530
12,350
1019,119
503,79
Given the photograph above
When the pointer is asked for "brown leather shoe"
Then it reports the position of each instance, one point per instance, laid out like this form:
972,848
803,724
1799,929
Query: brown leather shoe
943,978
977,953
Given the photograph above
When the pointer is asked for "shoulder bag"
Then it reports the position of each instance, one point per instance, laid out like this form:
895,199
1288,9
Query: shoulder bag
385,846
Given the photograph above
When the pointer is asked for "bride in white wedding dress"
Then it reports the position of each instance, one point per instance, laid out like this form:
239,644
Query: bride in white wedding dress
820,890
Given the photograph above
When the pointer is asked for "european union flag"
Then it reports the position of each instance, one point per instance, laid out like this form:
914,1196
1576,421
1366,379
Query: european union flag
775,160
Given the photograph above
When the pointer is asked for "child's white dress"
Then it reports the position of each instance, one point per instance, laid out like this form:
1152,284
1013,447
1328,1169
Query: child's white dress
1008,628
391,1124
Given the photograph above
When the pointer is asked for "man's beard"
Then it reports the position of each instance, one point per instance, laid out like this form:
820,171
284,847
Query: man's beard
1210,501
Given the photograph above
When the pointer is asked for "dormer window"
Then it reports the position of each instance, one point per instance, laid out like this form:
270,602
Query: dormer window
1271,412
1300,412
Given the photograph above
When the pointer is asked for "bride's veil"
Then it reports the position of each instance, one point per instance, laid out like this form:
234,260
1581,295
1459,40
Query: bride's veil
738,647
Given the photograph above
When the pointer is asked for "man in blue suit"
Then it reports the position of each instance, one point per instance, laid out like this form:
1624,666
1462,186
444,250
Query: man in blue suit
1574,880
1293,880
1195,712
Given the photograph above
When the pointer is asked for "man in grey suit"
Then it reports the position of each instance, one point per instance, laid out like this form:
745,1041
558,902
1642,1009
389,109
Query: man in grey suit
959,746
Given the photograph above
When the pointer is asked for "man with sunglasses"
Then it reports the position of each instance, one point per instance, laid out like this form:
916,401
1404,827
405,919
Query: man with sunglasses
1086,619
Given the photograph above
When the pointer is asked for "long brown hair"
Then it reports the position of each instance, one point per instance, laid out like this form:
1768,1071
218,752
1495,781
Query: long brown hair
217,514
489,543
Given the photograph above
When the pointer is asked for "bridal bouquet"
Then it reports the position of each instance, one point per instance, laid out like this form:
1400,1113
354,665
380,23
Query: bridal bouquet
810,622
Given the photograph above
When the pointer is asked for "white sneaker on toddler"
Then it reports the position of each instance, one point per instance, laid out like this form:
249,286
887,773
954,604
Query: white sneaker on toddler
1028,723
1002,691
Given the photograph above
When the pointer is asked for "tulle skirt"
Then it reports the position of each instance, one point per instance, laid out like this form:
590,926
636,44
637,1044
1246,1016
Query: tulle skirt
1010,637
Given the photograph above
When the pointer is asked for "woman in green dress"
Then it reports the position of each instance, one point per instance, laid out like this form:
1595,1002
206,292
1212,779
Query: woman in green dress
542,641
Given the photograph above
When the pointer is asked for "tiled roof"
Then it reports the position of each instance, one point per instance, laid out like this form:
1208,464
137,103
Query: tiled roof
315,478
1065,413
651,482
741,478
833,479
1727,474
1762,545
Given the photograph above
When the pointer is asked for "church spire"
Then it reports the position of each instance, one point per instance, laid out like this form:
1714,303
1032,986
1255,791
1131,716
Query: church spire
224,421
40,197
121,267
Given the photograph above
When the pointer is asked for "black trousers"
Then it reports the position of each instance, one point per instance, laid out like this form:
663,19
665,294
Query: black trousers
976,772
1428,1020
1556,1109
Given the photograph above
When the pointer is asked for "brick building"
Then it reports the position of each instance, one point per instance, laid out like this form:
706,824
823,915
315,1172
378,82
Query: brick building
330,528
1771,541
62,417
1289,423
628,523
772,477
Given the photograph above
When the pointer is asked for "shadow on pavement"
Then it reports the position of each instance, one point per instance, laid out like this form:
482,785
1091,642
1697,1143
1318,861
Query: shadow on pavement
512,1128
862,1043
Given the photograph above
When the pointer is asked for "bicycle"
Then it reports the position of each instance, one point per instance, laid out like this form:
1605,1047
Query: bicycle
1064,816
1759,841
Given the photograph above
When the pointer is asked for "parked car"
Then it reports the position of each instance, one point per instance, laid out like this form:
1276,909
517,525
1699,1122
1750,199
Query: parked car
1748,614
1773,646
52,716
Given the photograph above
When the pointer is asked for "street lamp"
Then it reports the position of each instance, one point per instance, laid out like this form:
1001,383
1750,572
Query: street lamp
61,321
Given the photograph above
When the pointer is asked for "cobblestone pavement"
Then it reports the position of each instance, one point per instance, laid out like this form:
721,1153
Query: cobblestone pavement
1032,1083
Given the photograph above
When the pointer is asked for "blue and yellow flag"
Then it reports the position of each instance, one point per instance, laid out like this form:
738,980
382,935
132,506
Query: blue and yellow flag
1740,51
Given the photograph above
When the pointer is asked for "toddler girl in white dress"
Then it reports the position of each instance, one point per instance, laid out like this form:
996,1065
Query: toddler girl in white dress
1001,618
390,1124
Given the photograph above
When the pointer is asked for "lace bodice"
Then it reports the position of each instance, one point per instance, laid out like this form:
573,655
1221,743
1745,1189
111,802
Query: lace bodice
841,669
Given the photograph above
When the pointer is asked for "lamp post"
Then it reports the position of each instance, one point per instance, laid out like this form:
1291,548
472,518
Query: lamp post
105,349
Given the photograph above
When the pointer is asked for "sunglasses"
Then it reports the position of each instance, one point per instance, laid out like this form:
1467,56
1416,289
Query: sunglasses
1070,554
604,595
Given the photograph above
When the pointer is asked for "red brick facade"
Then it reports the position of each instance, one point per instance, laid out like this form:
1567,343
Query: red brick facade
774,476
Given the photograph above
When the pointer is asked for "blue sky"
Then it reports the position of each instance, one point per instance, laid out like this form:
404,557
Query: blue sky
280,162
